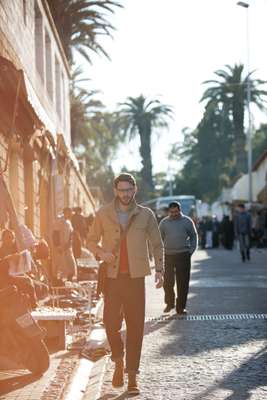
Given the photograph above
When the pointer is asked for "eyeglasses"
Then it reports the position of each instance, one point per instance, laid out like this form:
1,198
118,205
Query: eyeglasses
129,190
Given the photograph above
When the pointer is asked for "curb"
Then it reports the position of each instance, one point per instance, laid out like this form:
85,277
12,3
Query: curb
88,377
95,383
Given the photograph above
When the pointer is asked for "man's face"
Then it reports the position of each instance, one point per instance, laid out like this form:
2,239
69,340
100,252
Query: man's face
174,213
67,214
125,192
8,238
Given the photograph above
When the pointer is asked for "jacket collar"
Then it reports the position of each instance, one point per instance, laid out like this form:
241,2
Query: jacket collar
113,207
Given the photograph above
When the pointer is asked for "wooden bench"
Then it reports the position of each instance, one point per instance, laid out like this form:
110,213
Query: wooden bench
87,263
55,321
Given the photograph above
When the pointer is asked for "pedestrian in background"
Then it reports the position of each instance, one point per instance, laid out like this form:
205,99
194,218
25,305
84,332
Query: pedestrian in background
227,232
119,236
79,223
64,261
242,224
215,232
208,229
180,240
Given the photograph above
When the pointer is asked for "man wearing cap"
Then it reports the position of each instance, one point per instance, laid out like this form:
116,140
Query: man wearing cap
119,236
179,236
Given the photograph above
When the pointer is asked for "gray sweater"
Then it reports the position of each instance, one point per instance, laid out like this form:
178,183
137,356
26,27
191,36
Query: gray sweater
178,235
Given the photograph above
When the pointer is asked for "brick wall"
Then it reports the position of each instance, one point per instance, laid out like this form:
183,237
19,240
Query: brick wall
17,43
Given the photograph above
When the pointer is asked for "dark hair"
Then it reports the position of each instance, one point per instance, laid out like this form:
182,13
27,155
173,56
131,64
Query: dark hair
241,205
175,204
67,210
124,178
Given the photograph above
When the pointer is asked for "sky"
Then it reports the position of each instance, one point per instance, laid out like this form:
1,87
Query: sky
166,49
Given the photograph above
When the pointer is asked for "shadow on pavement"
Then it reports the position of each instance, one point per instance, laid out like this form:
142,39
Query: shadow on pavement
114,396
155,324
221,283
241,388
17,382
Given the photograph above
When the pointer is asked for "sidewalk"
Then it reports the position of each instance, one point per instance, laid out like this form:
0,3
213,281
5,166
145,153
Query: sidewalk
217,352
217,356
22,385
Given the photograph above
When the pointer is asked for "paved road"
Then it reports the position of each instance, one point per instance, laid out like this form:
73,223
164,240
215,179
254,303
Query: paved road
214,358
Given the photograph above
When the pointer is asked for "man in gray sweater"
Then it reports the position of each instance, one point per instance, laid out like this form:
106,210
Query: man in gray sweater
179,236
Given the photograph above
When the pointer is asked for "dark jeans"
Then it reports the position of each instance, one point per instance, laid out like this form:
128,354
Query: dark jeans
244,245
125,298
177,266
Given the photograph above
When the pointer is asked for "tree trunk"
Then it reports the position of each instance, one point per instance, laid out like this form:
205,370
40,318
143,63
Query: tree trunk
145,152
240,137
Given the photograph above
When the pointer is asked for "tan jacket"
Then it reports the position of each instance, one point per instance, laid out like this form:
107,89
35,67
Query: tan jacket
143,228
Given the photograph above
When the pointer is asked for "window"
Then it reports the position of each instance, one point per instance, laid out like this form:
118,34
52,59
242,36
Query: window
64,99
39,42
24,12
48,66
58,88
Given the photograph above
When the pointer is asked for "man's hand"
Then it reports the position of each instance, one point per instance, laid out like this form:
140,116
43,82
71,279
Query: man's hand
158,279
107,256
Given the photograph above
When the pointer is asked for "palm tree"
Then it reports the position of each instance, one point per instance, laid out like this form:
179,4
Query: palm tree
230,94
139,116
84,105
80,23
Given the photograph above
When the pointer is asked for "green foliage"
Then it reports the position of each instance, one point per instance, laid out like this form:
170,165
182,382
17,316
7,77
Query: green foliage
98,147
80,24
139,116
208,156
94,132
215,152
259,142
229,94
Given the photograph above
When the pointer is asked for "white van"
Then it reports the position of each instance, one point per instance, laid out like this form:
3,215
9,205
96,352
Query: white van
160,205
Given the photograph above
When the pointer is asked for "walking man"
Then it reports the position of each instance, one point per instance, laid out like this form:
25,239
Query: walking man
65,265
124,228
180,241
242,224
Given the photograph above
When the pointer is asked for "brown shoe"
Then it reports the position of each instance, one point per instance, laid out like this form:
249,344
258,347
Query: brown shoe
181,311
117,380
132,384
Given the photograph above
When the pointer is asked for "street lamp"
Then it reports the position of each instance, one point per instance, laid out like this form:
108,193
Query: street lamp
249,141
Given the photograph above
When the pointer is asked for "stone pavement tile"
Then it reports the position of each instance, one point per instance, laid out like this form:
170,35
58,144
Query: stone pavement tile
210,359
195,360
23,386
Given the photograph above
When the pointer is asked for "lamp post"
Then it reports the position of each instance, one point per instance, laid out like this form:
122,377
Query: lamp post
249,141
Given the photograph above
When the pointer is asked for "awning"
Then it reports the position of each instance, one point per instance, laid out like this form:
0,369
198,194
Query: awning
9,79
37,106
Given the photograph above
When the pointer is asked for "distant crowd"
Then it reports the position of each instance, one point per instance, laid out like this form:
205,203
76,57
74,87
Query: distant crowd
214,233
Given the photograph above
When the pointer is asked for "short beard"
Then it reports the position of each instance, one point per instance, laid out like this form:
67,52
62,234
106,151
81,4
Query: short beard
124,203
